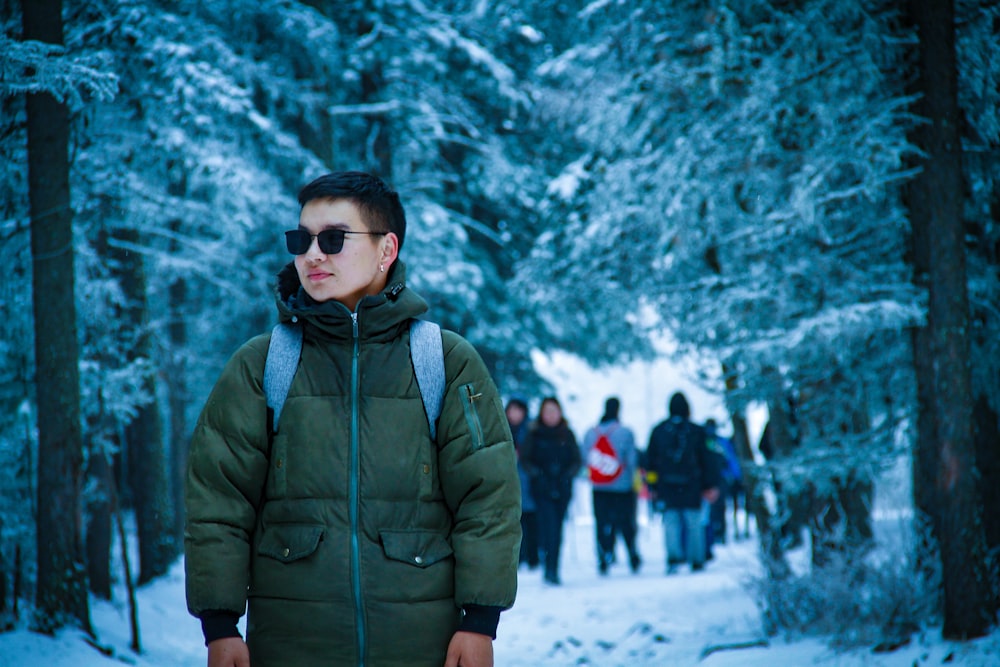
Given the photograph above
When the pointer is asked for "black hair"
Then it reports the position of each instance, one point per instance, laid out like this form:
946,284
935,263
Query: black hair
611,407
518,401
378,204
679,406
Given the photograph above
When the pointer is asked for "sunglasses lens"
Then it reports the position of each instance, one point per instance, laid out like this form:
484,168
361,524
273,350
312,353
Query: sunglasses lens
331,241
297,241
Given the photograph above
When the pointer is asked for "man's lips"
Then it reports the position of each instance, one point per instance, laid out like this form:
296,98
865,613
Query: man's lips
316,276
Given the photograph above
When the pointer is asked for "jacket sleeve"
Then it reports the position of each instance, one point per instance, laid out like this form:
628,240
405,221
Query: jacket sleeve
227,467
589,438
576,458
632,452
479,479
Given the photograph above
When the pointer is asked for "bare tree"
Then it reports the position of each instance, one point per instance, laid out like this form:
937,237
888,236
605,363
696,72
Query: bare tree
62,581
944,458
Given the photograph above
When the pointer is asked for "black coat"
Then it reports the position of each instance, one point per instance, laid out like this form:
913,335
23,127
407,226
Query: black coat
552,459
681,474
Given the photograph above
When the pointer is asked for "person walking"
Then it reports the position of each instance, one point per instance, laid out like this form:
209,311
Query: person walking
612,462
730,481
682,474
517,419
348,531
552,459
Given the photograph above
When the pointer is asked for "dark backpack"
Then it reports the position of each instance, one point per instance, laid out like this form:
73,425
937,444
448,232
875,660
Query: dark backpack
675,458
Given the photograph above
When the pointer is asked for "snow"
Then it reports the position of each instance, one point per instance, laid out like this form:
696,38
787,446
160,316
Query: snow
707,619
704,619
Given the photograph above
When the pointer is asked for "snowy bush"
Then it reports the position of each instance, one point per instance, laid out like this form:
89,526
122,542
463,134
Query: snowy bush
876,599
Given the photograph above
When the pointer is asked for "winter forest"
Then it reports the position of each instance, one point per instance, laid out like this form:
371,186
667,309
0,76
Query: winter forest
802,194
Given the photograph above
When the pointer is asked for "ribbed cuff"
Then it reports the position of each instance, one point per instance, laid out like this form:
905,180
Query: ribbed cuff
218,624
480,619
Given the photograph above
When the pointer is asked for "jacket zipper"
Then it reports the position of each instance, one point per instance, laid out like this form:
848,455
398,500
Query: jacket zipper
355,493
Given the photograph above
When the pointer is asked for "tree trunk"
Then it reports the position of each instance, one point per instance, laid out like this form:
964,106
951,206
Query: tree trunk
177,372
5,616
99,524
770,542
104,445
178,400
987,437
147,457
61,593
840,519
778,442
945,455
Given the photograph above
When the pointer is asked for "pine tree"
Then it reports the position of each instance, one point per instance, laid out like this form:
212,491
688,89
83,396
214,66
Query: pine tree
944,458
61,592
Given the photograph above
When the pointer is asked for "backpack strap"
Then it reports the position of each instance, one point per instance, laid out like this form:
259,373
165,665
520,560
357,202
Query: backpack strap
427,354
283,354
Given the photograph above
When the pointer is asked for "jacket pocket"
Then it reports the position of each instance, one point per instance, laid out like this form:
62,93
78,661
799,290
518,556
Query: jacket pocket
418,548
288,543
470,404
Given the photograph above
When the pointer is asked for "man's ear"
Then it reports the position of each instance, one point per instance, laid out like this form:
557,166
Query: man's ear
389,249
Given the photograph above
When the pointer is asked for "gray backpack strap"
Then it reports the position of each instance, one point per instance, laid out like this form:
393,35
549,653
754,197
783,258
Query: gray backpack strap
427,354
282,361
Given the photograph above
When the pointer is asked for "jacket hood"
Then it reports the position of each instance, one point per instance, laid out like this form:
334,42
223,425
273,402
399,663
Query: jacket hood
384,312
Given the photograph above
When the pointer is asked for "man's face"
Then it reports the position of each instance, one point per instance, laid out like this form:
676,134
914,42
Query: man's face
350,274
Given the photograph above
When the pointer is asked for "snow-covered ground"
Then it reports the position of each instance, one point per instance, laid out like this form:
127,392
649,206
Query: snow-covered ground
706,619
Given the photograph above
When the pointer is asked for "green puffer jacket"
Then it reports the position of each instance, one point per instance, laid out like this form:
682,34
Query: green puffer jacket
356,540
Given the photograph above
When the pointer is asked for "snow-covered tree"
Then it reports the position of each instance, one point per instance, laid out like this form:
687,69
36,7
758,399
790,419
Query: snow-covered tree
740,182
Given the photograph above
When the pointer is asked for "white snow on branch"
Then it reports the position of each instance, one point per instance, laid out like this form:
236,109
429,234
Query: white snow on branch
38,67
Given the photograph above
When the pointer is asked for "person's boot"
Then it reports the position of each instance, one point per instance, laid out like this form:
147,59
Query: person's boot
634,562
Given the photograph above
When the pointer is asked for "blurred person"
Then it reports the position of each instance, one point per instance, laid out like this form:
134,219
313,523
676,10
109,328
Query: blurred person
612,461
517,420
682,474
551,457
730,482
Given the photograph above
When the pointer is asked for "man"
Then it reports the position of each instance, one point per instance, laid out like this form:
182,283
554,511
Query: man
611,456
350,533
681,473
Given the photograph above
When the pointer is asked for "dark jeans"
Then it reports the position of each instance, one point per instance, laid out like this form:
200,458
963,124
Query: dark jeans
551,513
614,514
529,539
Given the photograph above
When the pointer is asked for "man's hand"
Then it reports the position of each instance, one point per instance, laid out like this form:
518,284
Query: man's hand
711,495
232,652
469,649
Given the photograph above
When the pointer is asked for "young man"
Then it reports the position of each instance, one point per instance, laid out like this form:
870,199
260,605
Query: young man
349,533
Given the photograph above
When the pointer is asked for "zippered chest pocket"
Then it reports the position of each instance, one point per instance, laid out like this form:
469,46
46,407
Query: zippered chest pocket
471,400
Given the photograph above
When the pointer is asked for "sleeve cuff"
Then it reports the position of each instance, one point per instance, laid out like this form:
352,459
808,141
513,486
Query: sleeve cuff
218,624
480,619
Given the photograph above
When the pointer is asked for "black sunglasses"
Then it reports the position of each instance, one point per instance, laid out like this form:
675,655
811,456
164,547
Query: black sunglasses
331,241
